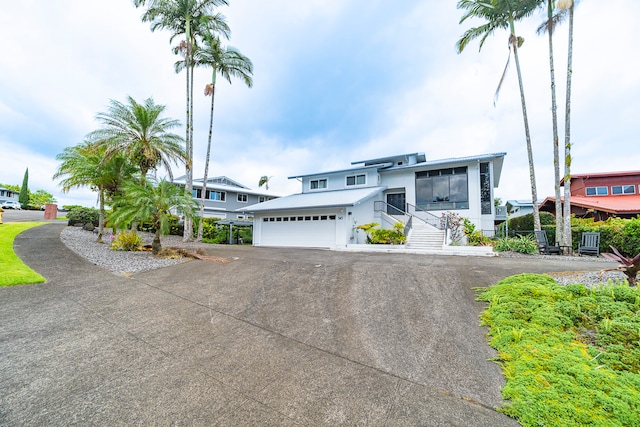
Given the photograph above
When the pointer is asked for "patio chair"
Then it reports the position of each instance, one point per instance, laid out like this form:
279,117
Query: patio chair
590,244
543,244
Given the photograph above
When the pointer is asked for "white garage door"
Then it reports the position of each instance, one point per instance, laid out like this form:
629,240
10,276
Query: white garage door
302,230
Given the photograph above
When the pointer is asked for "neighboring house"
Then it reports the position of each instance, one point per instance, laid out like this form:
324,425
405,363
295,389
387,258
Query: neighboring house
225,197
405,188
602,195
516,208
6,194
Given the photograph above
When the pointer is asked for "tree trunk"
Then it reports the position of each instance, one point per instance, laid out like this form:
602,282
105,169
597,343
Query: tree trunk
567,139
206,161
187,236
532,175
156,246
100,215
554,116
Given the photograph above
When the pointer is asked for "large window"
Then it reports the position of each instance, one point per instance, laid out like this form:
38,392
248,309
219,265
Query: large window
356,180
597,191
243,198
442,189
485,189
623,189
316,184
196,193
219,196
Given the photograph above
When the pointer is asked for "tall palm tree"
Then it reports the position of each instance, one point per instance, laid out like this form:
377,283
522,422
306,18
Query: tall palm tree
568,5
152,202
228,62
188,18
548,26
502,14
83,165
139,133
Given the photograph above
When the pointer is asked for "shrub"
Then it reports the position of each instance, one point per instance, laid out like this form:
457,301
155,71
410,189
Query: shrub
474,237
127,241
383,236
81,215
525,222
454,221
525,244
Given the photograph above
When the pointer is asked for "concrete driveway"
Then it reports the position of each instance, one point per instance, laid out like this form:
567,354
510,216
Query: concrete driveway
273,337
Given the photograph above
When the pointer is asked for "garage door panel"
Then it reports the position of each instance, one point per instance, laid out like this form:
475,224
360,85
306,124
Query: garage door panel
315,230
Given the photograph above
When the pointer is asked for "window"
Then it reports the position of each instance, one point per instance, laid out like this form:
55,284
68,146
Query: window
597,191
316,184
219,196
356,180
442,189
242,198
623,189
261,199
485,189
196,193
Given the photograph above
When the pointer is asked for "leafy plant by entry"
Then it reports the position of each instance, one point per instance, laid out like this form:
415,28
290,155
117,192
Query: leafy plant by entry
629,266
570,354
474,236
525,244
382,236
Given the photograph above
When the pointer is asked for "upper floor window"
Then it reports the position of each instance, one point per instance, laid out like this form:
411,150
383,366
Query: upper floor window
597,191
316,184
357,179
261,199
442,189
220,196
196,193
623,189
243,198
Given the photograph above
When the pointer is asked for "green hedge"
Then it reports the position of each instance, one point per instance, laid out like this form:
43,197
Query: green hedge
81,215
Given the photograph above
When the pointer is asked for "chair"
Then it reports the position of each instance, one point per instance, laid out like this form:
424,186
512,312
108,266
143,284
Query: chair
590,244
543,244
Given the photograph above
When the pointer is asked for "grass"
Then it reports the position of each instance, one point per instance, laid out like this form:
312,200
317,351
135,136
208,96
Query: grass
570,354
14,271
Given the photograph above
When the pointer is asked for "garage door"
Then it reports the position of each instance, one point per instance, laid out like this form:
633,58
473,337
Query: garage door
302,230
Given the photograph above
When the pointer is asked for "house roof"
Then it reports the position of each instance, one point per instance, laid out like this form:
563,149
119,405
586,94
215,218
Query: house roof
419,157
601,175
519,203
627,204
223,183
316,200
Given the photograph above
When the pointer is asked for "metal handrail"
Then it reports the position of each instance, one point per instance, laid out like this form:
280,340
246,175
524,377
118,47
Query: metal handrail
430,219
379,205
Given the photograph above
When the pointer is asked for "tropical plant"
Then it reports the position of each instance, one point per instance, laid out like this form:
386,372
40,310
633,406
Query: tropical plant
264,180
138,132
474,236
229,63
630,266
502,14
188,18
85,165
453,222
152,201
127,241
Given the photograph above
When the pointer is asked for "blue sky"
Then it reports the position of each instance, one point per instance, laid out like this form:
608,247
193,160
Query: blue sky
335,81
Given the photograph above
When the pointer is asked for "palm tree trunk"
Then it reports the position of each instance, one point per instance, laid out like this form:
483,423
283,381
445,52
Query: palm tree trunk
156,246
532,175
567,139
206,161
188,222
554,116
100,215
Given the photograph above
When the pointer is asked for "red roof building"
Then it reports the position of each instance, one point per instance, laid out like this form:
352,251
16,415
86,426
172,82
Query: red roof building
602,195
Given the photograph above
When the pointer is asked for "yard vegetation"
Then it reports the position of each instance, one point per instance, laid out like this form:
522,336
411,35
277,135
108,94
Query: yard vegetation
14,271
570,354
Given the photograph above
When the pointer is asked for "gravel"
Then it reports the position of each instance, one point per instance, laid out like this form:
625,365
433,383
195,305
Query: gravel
84,243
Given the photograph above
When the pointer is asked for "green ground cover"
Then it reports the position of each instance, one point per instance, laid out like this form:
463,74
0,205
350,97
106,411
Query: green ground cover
12,270
570,354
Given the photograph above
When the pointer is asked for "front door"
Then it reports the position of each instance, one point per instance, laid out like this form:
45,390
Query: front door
396,203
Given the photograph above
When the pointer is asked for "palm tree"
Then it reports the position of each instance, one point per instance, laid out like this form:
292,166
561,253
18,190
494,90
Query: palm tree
188,18
264,180
568,5
502,14
548,26
229,63
83,165
152,202
139,133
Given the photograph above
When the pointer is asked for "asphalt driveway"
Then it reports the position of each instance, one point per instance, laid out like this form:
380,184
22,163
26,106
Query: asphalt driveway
273,337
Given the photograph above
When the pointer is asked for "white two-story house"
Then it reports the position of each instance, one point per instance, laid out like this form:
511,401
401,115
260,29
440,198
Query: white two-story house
407,188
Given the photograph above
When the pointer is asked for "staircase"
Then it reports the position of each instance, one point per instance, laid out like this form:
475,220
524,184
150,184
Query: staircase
423,236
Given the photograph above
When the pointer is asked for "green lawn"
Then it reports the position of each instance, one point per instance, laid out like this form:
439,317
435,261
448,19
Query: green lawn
12,270
570,354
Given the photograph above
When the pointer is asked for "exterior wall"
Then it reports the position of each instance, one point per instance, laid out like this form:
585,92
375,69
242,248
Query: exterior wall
578,185
8,195
338,180
359,215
